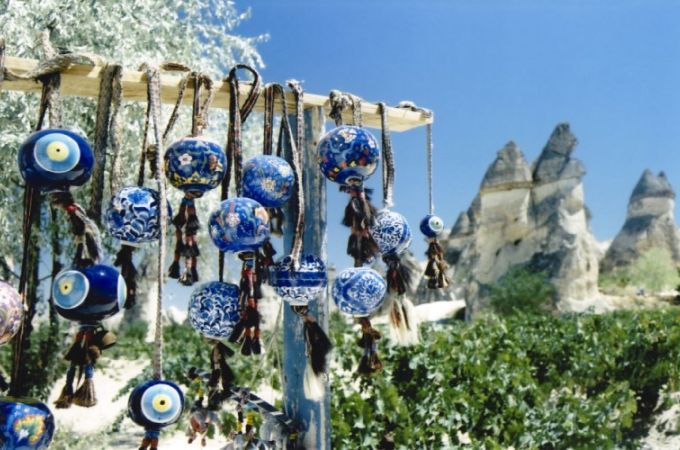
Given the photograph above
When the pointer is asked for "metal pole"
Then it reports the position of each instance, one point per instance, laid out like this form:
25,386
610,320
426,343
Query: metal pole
312,417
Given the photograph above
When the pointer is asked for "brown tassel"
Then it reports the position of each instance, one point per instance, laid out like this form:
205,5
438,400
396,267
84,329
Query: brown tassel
247,330
129,273
186,227
359,216
66,397
85,395
369,363
435,271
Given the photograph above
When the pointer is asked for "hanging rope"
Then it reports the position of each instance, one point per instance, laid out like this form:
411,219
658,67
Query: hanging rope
297,148
388,170
428,145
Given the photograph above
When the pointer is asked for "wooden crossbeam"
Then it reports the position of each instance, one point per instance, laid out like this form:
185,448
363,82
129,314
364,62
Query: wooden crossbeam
83,81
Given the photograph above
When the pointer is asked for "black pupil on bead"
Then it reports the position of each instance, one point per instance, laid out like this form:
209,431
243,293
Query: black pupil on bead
162,402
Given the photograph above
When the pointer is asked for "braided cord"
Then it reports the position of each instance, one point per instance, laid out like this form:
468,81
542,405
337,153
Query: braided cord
388,168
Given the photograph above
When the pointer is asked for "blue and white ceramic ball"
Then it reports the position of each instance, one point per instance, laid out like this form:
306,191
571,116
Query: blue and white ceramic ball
25,424
269,180
55,159
195,165
155,404
11,312
301,286
391,232
133,215
214,309
89,295
239,224
431,226
359,291
348,154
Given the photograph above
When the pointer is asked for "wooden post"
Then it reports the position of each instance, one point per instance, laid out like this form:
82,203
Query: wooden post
313,417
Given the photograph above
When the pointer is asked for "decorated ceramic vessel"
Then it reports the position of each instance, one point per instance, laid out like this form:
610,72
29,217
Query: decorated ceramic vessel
269,180
155,404
348,154
55,159
89,295
214,309
195,165
391,232
25,424
11,312
359,291
133,215
301,286
240,224
431,226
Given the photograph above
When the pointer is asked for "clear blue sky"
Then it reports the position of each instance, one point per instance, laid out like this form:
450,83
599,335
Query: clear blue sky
494,71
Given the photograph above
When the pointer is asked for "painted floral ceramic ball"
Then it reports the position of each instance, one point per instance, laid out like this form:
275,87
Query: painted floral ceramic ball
301,286
195,165
155,404
25,424
55,159
391,232
269,180
359,291
133,215
11,312
89,295
431,226
240,224
214,309
348,154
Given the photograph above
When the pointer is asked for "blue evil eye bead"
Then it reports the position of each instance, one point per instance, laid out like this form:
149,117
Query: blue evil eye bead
240,224
11,312
348,155
431,226
55,159
269,180
25,424
133,215
155,404
89,295
214,309
301,286
391,232
359,291
195,165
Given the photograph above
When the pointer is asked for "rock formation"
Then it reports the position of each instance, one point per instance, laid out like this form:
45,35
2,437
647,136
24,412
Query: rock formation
532,216
650,223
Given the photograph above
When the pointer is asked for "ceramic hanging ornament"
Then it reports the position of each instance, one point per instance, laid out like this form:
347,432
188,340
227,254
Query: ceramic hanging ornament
348,155
86,296
154,405
25,424
11,316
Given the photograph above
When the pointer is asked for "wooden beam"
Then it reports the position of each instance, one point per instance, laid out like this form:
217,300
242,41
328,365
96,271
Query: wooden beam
83,81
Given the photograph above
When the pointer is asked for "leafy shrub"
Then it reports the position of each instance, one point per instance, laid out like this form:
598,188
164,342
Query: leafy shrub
522,291
654,270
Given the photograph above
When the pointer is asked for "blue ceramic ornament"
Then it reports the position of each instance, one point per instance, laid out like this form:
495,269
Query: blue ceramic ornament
214,309
133,215
55,159
11,312
359,291
25,424
348,155
301,286
89,295
269,180
155,404
240,224
431,226
195,165
391,232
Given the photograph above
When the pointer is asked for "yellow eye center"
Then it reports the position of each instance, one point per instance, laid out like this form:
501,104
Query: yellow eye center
57,151
162,403
65,287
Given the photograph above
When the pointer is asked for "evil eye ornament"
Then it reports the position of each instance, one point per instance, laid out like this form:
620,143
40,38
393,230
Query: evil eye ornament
391,232
25,424
55,159
359,291
89,295
11,312
240,224
348,155
269,180
133,215
155,404
195,165
301,286
214,309
431,226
